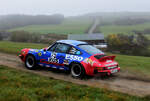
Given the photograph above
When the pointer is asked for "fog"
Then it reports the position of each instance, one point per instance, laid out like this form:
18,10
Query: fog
71,7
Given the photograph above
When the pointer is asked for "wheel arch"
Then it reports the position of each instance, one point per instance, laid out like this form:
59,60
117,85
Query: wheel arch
74,62
34,63
29,54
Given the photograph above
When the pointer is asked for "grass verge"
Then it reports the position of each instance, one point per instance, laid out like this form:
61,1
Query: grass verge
16,85
15,47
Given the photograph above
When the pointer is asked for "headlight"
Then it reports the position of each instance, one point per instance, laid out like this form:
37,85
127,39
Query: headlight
22,52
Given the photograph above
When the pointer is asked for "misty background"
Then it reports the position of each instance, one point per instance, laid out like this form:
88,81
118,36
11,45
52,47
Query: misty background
124,24
18,13
71,7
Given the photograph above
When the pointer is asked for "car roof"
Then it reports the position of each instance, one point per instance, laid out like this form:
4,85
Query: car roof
72,42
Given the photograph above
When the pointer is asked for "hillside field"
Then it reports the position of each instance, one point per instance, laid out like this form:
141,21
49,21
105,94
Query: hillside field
69,26
126,29
78,26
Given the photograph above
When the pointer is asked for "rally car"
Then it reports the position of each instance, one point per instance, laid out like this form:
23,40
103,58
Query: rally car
80,58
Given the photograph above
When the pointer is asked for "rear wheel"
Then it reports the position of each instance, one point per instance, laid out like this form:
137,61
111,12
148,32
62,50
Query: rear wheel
77,70
30,62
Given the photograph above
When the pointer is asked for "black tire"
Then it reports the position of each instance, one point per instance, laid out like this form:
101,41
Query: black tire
30,62
77,70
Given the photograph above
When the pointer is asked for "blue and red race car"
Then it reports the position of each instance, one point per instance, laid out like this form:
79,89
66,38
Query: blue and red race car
78,57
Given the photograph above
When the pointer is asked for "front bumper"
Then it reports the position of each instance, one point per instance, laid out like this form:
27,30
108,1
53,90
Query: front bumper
109,71
22,57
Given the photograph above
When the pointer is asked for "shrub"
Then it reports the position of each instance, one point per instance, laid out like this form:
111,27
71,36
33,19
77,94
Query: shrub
20,36
1,38
23,36
129,44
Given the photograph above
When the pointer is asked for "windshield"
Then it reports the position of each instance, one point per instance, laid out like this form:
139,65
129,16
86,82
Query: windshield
90,49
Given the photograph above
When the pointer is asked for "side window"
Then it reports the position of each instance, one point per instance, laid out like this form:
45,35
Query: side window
62,48
53,47
74,51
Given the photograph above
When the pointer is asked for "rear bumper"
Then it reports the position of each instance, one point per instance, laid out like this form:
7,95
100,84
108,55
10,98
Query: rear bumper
109,72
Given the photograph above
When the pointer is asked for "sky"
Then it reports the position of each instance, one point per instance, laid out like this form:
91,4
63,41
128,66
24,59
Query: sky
71,7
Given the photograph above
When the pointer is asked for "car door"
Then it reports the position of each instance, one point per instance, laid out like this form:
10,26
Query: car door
55,55
61,51
45,58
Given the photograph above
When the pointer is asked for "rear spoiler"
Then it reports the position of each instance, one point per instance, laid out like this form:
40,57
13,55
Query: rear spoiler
103,59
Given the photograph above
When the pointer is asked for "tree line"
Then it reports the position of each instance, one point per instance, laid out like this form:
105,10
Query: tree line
12,21
136,44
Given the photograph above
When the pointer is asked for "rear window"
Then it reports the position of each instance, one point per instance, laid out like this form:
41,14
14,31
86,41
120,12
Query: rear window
90,49
99,56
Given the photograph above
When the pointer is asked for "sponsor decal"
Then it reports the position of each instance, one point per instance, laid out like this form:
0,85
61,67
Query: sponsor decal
111,64
114,71
66,62
53,58
61,68
89,61
73,57
108,61
41,64
39,54
32,50
47,66
54,67
112,67
99,64
36,50
23,52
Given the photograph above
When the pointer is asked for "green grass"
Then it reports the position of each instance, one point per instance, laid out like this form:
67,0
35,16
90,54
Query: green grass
67,27
15,48
139,65
17,85
134,64
114,29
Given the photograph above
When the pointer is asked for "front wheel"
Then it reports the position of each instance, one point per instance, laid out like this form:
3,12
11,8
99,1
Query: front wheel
77,71
30,62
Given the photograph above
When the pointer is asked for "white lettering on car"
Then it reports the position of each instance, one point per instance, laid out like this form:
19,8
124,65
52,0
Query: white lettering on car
73,57
53,58
111,64
108,61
